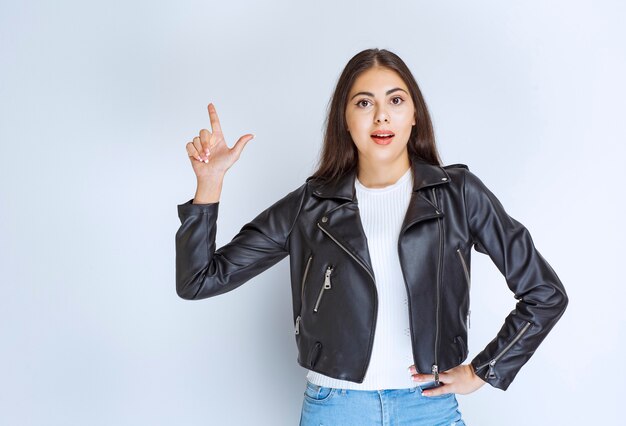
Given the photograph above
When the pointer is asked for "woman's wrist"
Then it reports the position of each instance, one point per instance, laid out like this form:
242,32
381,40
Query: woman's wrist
477,378
208,189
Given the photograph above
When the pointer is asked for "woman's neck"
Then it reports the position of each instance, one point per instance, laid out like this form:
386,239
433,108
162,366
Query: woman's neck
379,175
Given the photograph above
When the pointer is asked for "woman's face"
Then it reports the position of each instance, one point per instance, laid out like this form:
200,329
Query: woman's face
379,102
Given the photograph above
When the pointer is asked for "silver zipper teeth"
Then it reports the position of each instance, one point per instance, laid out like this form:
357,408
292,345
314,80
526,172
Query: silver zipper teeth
469,284
347,251
306,270
435,367
493,361
325,286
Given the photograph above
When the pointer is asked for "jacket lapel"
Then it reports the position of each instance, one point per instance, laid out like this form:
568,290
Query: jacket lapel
343,222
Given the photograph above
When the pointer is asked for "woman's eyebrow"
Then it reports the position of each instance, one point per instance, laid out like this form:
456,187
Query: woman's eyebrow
371,94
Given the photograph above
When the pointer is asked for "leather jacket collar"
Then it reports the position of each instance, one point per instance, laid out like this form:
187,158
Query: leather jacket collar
337,219
424,175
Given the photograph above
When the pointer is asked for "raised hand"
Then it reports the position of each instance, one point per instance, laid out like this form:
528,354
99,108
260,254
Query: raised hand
208,152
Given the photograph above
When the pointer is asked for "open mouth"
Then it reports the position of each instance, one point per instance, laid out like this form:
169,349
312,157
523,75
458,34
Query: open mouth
382,138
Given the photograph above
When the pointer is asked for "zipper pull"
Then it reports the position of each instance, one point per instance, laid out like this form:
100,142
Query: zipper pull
298,325
491,373
436,373
329,270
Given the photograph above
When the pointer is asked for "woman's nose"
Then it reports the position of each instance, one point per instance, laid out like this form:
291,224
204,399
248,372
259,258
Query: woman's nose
382,117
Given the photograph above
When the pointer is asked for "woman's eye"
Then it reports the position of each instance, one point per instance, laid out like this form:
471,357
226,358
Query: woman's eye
362,101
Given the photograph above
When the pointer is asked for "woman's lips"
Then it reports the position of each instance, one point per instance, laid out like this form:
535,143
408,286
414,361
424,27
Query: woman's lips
382,141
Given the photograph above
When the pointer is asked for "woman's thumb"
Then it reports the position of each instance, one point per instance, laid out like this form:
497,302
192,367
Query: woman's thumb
241,143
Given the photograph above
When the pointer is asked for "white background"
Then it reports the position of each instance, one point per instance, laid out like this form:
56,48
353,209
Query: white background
98,100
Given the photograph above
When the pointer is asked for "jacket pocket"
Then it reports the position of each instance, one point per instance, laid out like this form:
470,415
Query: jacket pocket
304,275
463,350
314,354
467,282
326,285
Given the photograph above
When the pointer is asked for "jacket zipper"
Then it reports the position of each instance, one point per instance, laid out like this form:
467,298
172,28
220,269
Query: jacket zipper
491,373
325,286
306,271
469,285
347,251
435,367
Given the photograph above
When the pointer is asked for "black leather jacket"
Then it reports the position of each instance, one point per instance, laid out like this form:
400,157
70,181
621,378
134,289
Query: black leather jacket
333,284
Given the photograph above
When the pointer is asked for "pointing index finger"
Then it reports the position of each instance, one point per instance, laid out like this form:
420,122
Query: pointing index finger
215,121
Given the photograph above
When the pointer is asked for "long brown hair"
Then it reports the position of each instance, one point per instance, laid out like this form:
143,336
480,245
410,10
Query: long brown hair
339,154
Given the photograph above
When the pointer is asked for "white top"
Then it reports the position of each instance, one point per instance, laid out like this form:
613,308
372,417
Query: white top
382,212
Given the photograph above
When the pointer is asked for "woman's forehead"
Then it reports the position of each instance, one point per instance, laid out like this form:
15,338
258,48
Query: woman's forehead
378,81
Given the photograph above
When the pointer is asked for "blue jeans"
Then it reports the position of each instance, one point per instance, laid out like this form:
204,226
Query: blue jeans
324,406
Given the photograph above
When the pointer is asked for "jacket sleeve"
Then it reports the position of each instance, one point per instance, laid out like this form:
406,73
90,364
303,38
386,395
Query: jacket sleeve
541,297
202,271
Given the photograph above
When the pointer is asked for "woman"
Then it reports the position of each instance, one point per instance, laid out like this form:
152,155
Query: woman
379,239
